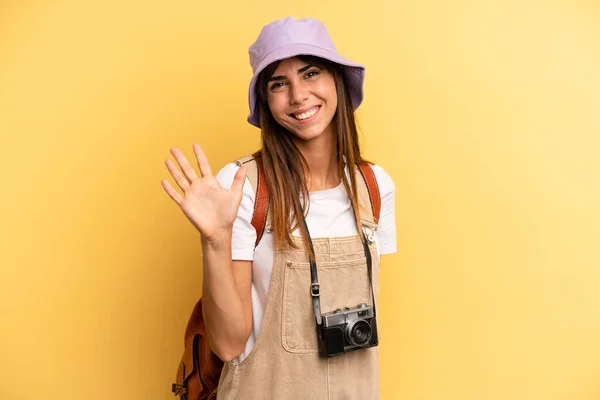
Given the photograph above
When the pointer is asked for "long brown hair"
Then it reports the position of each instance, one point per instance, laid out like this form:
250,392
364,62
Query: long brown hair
284,164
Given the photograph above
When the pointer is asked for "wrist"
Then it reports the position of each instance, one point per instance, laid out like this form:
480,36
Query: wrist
220,241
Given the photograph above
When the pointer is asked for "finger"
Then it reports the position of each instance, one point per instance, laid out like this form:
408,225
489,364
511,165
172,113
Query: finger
177,175
187,169
202,160
238,180
177,198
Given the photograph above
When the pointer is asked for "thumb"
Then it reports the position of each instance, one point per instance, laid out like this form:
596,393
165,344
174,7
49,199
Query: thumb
238,180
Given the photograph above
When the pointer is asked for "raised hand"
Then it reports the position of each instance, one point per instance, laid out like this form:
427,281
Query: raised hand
209,207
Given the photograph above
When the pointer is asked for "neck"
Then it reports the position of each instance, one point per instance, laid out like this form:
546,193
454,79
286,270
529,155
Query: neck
321,156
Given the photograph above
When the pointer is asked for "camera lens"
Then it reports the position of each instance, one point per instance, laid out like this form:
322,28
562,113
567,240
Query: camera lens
359,333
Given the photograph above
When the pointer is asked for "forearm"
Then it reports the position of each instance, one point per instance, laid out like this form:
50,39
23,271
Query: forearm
222,307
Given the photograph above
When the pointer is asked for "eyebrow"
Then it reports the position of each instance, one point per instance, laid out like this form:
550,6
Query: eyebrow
300,71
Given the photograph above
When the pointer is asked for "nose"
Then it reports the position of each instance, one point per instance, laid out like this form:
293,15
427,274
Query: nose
298,93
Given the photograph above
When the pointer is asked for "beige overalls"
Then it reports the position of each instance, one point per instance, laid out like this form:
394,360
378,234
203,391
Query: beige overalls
284,363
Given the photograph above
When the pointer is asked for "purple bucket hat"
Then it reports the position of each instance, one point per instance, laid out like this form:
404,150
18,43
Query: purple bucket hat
287,38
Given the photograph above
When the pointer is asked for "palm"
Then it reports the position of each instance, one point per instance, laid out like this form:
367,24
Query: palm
209,207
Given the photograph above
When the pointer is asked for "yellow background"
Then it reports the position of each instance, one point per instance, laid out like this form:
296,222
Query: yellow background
485,113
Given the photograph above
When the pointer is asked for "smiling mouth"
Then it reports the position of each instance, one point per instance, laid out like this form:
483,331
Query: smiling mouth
306,115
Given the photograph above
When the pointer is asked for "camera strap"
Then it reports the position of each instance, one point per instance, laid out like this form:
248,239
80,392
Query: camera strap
314,278
315,289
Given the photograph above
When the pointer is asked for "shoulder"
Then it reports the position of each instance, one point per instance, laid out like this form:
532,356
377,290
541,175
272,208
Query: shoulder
384,180
243,234
226,174
386,231
225,178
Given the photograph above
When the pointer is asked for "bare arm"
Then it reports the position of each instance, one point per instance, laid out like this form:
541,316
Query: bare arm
226,289
226,301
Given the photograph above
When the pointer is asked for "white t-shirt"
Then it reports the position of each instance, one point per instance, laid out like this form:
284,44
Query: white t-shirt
330,215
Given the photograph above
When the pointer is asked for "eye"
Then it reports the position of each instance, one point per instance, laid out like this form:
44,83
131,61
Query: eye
312,73
277,85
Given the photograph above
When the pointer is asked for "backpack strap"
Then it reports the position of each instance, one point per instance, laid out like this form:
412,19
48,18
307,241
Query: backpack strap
369,197
256,175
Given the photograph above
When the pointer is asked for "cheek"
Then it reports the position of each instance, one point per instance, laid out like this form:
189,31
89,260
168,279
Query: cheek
276,104
334,98
329,92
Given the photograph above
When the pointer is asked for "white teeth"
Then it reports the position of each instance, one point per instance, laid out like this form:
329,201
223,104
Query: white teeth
307,114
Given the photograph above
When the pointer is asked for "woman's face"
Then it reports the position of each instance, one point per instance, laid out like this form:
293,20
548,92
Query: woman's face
302,98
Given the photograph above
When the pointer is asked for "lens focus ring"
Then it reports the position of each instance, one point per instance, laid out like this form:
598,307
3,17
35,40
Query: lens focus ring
359,332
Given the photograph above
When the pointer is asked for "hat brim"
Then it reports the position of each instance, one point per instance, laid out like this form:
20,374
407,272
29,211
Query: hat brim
354,73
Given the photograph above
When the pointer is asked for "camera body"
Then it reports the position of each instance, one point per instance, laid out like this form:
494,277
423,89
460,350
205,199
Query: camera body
347,329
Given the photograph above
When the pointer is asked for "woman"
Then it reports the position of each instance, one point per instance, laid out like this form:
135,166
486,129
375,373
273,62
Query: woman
257,306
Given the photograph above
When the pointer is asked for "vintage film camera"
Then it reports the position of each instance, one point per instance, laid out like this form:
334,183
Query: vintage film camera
347,329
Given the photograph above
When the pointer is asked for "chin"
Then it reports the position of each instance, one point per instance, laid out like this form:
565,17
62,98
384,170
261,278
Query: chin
308,134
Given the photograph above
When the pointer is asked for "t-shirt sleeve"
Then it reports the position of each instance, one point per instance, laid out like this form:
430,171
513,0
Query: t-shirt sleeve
386,230
244,234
